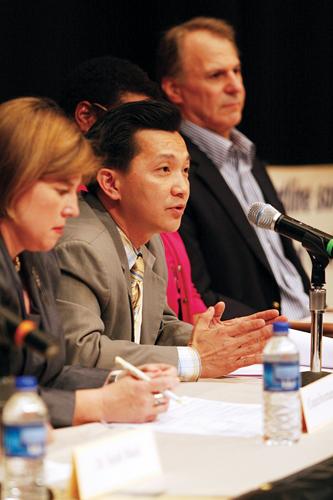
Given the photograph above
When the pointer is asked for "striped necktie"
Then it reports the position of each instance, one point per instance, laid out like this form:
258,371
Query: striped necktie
137,271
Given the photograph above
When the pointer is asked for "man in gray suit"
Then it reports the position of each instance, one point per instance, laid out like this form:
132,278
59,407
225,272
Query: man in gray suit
141,190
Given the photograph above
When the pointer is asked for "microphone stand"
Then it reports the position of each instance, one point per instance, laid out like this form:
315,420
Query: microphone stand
317,304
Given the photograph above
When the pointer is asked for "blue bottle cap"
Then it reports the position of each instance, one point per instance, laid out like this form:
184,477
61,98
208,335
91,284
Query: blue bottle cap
280,327
26,382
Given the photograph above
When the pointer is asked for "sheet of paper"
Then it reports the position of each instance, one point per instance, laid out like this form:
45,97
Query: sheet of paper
256,371
55,472
303,342
207,417
251,370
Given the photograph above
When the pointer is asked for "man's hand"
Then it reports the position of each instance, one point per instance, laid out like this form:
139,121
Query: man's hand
270,316
224,346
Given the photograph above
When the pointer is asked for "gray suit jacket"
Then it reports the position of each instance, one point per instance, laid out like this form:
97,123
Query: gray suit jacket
94,295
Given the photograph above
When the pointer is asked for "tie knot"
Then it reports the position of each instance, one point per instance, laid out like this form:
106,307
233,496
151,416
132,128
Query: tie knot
137,269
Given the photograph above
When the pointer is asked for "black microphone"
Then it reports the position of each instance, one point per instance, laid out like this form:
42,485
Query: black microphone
267,217
25,333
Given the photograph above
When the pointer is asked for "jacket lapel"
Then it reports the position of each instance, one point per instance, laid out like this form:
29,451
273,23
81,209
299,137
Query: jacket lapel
153,285
111,227
154,294
266,185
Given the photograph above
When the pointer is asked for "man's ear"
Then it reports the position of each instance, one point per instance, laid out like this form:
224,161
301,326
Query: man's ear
85,116
108,182
172,90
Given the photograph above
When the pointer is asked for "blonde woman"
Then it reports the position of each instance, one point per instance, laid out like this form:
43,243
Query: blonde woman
43,159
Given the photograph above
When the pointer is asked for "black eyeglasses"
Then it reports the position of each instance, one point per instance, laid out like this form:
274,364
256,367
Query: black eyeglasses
99,109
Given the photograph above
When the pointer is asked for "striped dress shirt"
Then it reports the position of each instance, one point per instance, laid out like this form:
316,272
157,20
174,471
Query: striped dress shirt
189,363
132,254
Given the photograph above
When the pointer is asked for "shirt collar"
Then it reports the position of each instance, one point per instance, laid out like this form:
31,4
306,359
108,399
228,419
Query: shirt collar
131,252
216,147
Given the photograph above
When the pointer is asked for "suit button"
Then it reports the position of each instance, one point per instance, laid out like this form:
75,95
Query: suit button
276,305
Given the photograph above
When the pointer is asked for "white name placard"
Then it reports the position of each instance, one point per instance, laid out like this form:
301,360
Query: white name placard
111,463
317,402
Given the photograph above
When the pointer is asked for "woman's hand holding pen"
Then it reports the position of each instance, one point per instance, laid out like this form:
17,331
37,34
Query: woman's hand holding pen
134,400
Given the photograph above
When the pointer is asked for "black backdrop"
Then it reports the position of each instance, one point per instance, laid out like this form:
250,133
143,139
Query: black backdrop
286,48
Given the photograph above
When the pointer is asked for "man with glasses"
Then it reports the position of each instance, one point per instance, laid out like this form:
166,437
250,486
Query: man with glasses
102,83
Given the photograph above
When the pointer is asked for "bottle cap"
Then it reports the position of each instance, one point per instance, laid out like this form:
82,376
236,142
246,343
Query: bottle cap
26,383
280,328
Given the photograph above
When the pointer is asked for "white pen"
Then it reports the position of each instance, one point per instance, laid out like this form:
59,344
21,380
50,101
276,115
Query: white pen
143,376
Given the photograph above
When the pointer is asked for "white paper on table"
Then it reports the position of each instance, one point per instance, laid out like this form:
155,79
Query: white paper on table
55,472
303,342
208,417
256,371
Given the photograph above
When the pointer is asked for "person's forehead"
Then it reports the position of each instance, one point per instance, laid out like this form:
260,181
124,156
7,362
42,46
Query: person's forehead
160,143
202,47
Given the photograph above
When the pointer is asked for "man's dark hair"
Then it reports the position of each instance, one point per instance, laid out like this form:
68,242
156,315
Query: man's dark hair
104,80
112,136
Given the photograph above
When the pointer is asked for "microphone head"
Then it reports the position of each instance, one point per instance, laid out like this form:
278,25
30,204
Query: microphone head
263,215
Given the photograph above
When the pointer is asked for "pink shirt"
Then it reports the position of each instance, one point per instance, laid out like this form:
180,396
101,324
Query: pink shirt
182,295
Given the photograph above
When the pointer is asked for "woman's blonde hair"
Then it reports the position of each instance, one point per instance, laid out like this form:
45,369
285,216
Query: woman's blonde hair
38,142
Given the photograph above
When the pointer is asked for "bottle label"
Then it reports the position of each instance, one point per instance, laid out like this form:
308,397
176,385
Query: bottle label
280,376
26,441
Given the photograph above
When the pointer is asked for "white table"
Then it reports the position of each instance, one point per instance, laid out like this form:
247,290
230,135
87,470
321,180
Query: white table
210,465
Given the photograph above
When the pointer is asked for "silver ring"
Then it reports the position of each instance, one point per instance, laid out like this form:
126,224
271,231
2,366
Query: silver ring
159,399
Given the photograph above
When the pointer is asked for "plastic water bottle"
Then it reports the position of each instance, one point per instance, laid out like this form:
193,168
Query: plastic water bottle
282,406
24,438
7,389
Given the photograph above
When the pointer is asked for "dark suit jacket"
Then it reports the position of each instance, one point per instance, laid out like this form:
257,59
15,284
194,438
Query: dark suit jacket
227,259
57,381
